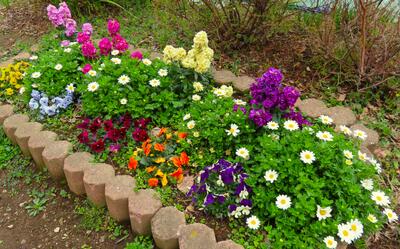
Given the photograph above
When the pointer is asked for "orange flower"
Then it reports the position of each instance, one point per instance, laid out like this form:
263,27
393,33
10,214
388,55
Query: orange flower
168,136
182,135
146,146
150,169
153,182
159,147
132,163
184,158
162,131
177,174
176,161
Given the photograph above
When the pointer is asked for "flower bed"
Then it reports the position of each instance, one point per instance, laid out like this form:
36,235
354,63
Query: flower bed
261,163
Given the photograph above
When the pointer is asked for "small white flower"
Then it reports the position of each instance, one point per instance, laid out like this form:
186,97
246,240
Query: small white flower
239,102
360,134
243,152
154,83
324,135
233,130
368,184
116,61
123,79
326,119
198,87
33,57
191,124
92,73
163,72
283,202
253,222
70,88
35,85
220,182
123,101
323,212
36,75
346,130
147,62
372,218
271,176
102,65
92,87
348,154
330,242
348,162
362,156
115,52
67,50
196,134
380,198
243,194
356,227
392,216
22,90
196,97
345,233
186,117
291,125
307,156
58,67
272,125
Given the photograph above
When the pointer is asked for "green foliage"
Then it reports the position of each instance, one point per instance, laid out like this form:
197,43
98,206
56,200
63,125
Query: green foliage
51,81
39,200
328,181
140,242
248,238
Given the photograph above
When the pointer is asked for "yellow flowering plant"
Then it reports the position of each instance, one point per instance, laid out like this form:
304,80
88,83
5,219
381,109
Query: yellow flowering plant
10,78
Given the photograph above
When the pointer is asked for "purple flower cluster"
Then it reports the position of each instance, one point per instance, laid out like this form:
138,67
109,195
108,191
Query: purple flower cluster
61,16
270,98
222,187
50,107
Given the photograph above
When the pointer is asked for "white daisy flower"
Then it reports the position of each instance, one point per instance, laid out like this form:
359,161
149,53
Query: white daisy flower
272,125
92,73
346,130
115,52
124,79
123,101
163,72
291,125
330,242
33,57
356,227
345,233
271,176
147,62
191,124
323,212
92,87
283,202
67,50
243,152
239,102
198,87
116,61
360,134
362,156
326,119
58,67
368,184
70,88
392,216
219,92
186,117
348,154
233,130
154,83
36,75
253,222
380,198
372,218
196,97
307,156
324,135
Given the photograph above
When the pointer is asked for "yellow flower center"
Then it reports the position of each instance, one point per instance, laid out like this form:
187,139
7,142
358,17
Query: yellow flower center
283,201
322,212
390,215
271,176
345,233
253,222
354,227
379,198
330,242
307,156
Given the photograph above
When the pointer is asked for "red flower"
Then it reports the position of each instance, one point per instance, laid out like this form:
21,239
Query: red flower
84,137
177,174
132,163
114,135
96,124
180,161
126,121
108,125
140,135
153,182
98,146
142,122
84,125
182,135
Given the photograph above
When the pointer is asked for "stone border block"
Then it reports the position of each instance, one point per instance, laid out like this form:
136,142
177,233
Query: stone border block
5,112
341,115
74,167
95,177
372,136
24,132
36,144
312,107
117,192
223,76
11,123
228,244
54,155
196,236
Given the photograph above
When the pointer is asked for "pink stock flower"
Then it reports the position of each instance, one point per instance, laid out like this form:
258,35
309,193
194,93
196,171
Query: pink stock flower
64,11
120,43
137,54
82,37
70,27
87,28
113,27
88,49
105,46
65,43
54,16
86,68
